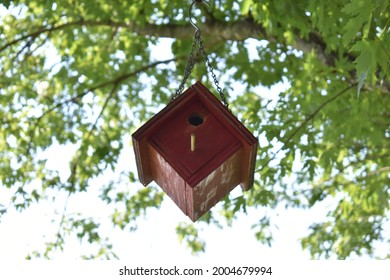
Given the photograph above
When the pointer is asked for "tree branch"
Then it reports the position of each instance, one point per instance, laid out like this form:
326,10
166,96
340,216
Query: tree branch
59,237
115,81
218,31
72,177
42,30
301,126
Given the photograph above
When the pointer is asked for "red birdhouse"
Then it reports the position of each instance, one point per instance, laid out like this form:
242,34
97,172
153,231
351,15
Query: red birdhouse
196,151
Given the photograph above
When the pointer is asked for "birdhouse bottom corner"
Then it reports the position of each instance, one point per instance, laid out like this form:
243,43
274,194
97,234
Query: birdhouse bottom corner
196,199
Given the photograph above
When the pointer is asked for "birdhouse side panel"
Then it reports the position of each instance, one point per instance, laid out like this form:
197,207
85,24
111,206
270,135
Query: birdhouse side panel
168,179
248,140
201,198
248,165
142,158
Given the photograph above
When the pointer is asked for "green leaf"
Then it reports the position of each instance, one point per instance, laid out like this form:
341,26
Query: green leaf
189,233
359,13
6,3
365,61
245,7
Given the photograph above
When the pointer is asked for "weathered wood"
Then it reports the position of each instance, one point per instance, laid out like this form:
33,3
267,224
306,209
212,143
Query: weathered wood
208,192
195,176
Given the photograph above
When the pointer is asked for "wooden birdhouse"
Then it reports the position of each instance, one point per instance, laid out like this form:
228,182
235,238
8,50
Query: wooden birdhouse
196,151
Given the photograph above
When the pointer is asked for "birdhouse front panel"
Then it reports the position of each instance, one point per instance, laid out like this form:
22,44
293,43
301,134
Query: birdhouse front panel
214,187
196,151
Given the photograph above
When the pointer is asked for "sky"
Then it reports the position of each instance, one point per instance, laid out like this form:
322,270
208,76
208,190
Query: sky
24,232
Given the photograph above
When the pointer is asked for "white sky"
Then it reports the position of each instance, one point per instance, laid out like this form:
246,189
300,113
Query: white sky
21,233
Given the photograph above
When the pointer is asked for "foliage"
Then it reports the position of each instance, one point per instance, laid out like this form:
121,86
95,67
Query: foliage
80,73
190,234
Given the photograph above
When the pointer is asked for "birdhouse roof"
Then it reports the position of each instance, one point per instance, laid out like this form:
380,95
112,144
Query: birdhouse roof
225,131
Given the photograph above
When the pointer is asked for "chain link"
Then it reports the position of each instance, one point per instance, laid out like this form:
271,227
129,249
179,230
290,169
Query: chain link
196,50
211,70
189,66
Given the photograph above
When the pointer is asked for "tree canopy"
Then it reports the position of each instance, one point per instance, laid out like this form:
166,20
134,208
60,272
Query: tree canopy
82,73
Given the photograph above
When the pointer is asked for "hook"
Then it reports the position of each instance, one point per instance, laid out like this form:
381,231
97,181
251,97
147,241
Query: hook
190,11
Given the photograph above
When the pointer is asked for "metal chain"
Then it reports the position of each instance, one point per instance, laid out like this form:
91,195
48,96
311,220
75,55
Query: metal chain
198,46
189,66
211,70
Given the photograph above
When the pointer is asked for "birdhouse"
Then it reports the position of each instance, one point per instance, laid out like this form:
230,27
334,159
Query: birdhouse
196,151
